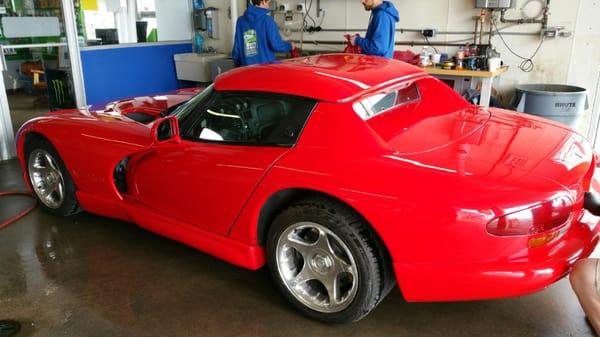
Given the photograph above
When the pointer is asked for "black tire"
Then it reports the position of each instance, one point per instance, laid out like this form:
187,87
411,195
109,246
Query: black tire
371,260
69,204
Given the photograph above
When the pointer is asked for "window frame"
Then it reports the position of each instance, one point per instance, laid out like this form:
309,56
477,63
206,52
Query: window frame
194,117
386,91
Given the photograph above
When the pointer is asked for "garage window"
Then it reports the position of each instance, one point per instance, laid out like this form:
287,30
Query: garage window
250,118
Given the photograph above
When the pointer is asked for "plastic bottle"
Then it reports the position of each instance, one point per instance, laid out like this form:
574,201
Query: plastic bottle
198,4
460,54
425,57
209,27
198,43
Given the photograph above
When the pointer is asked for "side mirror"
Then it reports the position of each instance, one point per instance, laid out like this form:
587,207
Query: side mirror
165,130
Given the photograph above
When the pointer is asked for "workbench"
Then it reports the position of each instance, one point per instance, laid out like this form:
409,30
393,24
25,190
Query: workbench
460,77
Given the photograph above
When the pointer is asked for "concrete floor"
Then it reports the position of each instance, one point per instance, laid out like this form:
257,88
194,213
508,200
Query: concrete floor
92,276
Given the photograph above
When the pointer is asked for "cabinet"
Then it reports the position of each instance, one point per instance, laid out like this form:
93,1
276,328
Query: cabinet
195,67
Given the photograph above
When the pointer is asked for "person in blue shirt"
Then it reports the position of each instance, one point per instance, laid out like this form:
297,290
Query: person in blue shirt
257,37
381,34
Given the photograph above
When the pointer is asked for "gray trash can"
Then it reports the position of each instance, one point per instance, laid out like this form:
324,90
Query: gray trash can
561,103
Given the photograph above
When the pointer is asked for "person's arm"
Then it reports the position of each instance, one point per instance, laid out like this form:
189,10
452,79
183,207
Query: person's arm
275,41
377,44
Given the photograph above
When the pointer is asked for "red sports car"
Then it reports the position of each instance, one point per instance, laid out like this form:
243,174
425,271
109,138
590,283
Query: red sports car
343,173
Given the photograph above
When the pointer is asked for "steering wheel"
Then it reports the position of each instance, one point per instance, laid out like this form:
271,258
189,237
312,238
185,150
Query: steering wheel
235,110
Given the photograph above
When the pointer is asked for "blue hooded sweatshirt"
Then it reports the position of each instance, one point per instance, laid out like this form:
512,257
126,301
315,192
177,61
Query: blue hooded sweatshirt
257,38
381,34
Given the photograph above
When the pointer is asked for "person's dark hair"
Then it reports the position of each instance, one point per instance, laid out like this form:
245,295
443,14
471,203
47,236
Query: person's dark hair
256,2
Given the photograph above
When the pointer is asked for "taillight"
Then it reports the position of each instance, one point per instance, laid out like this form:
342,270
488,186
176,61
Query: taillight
537,219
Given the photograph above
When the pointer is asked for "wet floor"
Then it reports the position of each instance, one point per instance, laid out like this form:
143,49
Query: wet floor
92,276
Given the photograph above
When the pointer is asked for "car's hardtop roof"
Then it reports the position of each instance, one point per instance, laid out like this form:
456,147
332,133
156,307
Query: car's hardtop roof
329,77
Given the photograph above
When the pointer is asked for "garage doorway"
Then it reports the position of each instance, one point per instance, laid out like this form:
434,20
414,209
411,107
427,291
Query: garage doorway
39,59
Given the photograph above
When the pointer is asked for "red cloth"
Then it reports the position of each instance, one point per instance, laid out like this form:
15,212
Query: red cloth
351,49
407,56
295,52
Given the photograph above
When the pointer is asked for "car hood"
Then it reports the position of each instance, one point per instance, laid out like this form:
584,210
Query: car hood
497,145
125,122
145,109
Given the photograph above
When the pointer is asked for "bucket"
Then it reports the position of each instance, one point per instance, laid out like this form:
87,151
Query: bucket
562,103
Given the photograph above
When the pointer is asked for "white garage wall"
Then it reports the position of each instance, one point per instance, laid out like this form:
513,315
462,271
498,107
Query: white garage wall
174,20
574,60
584,63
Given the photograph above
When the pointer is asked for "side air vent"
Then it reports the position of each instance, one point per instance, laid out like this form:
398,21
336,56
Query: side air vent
119,175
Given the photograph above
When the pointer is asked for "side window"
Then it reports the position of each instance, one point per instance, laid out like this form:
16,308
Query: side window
251,118
378,103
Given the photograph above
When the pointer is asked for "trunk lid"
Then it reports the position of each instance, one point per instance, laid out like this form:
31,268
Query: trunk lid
497,144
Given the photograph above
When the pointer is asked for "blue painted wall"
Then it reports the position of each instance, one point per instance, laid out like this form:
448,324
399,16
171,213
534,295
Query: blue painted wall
116,73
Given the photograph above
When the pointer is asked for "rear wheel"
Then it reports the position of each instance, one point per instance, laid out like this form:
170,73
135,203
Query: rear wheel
50,181
325,261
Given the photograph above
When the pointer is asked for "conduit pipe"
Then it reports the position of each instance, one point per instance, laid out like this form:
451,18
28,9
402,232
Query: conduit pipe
398,43
234,16
405,30
543,20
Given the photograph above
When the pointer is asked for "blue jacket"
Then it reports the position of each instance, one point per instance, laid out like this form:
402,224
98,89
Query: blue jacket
381,34
257,38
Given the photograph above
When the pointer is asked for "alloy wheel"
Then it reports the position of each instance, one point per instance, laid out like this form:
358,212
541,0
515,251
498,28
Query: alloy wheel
46,178
317,267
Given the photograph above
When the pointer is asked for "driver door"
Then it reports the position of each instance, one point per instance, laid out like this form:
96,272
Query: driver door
228,144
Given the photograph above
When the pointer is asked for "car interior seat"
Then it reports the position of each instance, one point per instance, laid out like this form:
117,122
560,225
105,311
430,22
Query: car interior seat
268,115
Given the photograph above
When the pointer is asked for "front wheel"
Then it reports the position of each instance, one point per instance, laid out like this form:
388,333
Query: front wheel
324,259
50,181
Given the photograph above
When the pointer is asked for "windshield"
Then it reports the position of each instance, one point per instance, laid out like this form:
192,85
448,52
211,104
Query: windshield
182,110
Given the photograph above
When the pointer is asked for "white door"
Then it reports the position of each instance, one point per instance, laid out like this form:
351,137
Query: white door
40,64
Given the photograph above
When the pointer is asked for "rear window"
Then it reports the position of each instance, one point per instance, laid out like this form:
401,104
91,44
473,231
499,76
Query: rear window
416,116
381,102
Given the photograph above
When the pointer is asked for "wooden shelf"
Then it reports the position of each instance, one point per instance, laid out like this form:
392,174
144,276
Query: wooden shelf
466,73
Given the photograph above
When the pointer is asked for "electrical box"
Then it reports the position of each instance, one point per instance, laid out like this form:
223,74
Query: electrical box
494,4
430,32
300,8
550,33
554,32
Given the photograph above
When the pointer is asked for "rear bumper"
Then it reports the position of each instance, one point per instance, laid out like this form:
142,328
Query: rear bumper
506,276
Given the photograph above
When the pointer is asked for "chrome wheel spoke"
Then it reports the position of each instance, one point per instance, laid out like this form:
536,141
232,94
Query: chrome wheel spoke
323,242
300,246
50,164
60,189
48,198
305,275
341,266
37,170
332,286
